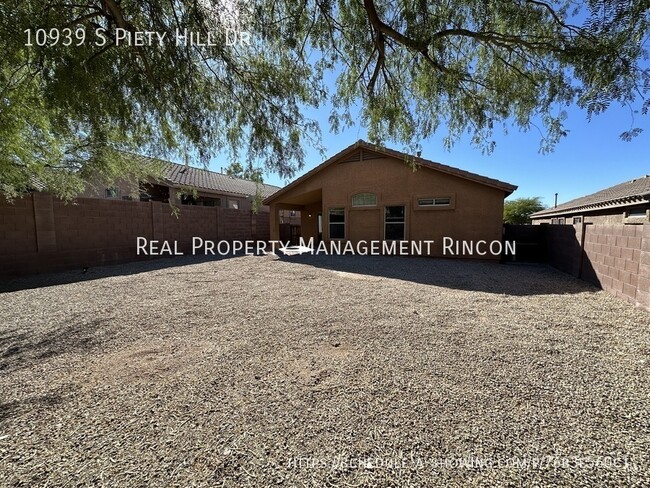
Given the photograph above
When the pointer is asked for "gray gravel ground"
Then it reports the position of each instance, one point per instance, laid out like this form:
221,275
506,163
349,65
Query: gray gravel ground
322,371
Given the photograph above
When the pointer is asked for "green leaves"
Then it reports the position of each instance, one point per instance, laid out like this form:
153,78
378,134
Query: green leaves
475,65
410,67
519,210
66,108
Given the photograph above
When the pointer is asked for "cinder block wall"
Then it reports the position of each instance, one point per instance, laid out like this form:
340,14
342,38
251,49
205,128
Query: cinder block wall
17,227
39,233
615,257
564,250
614,253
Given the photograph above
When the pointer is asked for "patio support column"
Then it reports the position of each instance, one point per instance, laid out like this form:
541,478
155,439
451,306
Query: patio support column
274,222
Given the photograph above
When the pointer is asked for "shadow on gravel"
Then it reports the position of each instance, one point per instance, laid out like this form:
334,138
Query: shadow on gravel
468,275
20,350
89,274
10,409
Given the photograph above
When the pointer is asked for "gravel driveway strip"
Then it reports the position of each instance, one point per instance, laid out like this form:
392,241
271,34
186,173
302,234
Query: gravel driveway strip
321,371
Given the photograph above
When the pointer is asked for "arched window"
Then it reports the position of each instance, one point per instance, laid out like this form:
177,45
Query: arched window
364,200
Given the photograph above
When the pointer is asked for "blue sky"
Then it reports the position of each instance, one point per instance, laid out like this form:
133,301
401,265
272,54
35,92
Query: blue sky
590,158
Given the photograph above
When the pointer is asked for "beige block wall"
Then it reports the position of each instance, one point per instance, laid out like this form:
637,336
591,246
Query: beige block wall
615,257
39,233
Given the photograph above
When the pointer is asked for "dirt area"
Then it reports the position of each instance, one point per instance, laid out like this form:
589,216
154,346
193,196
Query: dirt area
321,371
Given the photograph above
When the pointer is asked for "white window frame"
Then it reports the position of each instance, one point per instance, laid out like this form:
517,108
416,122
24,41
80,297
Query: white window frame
403,223
330,223
435,201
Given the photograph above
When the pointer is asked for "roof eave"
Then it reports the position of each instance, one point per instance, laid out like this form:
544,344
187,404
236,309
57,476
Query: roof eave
311,172
610,204
178,186
507,188
450,170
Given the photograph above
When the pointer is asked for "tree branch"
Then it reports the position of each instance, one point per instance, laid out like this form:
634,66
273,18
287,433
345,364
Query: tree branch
380,42
83,18
557,19
116,13
100,52
382,29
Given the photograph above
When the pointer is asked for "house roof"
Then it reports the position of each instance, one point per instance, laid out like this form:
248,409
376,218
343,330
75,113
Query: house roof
376,150
182,175
177,175
624,194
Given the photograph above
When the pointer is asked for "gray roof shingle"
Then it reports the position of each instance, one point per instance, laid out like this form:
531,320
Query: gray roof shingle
203,179
630,192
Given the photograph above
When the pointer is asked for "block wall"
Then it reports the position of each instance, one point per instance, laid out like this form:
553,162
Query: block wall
39,233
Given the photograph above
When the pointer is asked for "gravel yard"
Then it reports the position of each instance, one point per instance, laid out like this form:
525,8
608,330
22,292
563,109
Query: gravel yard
321,371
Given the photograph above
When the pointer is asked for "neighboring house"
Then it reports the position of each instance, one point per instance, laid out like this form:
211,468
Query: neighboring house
625,203
368,192
188,185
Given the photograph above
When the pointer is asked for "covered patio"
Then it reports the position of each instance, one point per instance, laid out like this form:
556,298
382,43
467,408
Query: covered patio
310,206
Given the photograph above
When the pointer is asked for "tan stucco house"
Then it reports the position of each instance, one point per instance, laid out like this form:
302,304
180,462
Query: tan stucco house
367,193
625,203
188,185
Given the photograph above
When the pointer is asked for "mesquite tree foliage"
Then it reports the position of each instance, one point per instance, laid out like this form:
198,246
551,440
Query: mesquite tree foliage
406,68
